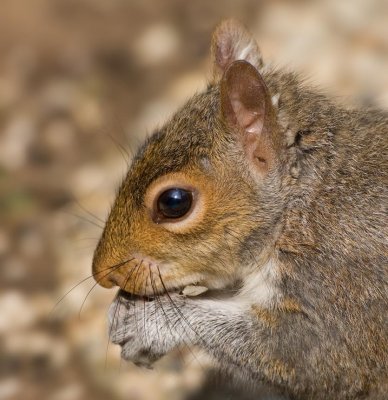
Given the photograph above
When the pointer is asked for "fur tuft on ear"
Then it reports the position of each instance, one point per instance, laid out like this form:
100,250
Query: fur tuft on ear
232,42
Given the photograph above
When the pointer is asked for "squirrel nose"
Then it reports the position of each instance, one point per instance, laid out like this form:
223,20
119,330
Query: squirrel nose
106,271
105,277
109,277
107,265
109,272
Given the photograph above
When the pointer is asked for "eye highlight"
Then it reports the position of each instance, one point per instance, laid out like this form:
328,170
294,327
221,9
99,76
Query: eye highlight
174,203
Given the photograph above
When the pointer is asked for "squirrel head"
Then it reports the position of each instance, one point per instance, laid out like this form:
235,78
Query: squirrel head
201,200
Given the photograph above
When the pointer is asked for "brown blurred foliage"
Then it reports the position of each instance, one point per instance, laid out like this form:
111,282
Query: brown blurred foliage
81,83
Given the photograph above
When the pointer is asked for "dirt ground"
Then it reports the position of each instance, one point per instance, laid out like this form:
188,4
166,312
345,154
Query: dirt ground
81,84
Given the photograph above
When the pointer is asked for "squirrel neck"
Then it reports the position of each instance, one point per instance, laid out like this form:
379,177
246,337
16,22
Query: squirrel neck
329,164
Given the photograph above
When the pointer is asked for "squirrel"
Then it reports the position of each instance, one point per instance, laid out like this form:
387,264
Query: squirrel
274,199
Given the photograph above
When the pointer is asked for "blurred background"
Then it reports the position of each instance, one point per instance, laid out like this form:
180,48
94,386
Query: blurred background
81,83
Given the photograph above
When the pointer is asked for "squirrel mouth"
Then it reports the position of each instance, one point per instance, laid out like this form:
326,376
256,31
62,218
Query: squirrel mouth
187,291
130,297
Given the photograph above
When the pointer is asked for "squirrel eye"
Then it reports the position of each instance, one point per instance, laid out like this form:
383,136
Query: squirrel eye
174,203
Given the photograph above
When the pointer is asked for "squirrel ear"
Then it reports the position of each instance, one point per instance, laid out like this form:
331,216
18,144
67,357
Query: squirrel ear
232,42
247,109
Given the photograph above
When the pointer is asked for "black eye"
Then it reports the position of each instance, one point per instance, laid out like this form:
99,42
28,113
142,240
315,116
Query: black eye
174,203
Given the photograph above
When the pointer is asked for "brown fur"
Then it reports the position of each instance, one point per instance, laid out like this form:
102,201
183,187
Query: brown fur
318,205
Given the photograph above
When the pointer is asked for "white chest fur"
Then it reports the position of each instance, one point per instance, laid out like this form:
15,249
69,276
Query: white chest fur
260,287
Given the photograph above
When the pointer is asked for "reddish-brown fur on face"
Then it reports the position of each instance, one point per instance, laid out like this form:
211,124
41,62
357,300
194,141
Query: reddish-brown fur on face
201,251
216,144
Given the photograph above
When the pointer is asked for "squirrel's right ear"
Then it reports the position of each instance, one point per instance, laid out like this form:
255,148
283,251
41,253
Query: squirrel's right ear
232,42
246,108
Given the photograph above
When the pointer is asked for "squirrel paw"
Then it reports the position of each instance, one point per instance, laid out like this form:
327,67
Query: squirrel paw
146,329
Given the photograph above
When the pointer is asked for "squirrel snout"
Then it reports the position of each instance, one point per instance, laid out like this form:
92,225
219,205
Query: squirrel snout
106,272
104,276
109,273
108,268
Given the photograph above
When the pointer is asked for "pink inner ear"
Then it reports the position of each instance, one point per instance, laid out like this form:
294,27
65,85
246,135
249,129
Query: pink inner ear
250,121
245,92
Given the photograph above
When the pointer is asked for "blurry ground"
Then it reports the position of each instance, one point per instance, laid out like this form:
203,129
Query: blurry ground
79,78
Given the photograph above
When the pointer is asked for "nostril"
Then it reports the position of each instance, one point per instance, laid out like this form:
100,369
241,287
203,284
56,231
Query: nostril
109,273
106,268
107,281
106,272
113,279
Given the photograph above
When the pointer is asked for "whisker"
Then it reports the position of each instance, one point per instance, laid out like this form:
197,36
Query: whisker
157,301
144,310
83,208
84,280
168,321
98,281
176,307
179,321
226,354
122,131
117,306
130,273
134,287
84,219
121,149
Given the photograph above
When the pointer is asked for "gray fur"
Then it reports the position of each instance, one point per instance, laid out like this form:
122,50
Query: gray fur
320,215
